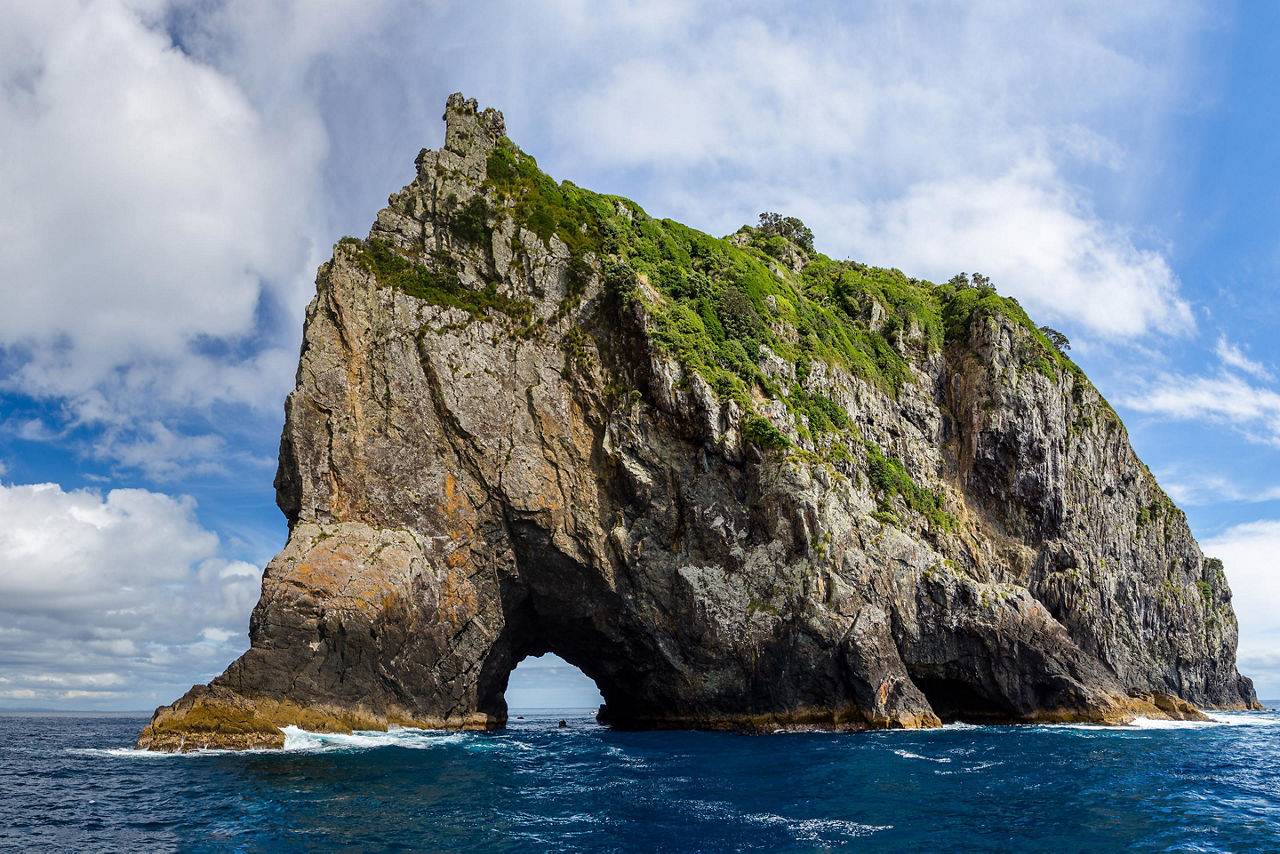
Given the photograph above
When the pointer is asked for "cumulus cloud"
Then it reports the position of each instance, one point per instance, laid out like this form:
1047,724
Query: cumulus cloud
933,139
151,201
157,218
113,600
171,186
1250,553
1026,230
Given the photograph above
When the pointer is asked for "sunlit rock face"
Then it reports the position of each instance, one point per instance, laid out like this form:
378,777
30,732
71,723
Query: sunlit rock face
738,484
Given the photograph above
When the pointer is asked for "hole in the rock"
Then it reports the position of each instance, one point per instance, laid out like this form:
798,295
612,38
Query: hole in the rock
549,683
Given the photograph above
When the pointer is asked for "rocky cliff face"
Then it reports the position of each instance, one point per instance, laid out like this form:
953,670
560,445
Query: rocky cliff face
736,483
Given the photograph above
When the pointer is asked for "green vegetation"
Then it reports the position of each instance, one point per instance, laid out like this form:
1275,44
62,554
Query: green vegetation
1206,592
823,413
1215,574
575,346
436,282
540,204
1056,338
471,221
889,476
762,432
789,229
715,302
720,306
966,300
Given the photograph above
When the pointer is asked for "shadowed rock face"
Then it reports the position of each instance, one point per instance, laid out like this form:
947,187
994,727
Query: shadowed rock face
498,459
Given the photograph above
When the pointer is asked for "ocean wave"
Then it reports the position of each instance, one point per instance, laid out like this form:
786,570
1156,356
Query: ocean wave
907,754
1158,723
970,769
1245,718
133,753
297,740
817,829
130,753
1216,719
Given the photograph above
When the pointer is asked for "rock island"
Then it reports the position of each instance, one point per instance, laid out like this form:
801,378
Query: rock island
738,484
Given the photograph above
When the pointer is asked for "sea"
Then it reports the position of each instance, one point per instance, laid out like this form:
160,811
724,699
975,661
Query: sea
73,783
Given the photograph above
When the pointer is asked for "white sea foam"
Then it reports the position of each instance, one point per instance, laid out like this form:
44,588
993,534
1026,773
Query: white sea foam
301,740
1155,723
980,766
122,753
817,829
906,754
298,740
1216,719
1245,718
131,753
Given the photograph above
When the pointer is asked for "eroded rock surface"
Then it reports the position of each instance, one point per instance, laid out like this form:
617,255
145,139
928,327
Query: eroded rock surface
494,450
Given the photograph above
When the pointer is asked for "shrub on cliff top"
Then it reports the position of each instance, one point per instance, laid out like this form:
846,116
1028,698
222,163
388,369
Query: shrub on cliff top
788,228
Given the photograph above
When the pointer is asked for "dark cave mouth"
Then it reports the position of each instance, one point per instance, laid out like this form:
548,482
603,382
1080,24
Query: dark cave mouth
954,700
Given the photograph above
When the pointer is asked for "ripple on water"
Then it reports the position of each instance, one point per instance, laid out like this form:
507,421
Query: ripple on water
1212,786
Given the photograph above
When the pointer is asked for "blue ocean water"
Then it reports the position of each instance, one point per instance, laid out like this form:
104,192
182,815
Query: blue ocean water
72,784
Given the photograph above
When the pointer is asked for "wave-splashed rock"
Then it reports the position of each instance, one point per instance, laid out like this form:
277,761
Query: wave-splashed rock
738,484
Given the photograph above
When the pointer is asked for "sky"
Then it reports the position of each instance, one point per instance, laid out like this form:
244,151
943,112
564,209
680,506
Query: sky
175,170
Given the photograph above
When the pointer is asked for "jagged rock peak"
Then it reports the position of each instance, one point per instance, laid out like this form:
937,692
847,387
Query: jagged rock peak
466,124
737,485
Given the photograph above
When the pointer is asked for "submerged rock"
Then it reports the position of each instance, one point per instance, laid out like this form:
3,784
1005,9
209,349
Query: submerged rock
529,419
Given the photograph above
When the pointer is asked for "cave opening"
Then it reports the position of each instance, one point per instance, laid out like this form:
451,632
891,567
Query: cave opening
955,700
547,684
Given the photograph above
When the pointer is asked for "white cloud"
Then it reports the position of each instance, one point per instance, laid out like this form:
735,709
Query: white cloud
1239,394
1197,490
1233,357
165,204
1225,398
150,201
932,138
152,209
1251,554
1025,230
115,599
549,681
270,47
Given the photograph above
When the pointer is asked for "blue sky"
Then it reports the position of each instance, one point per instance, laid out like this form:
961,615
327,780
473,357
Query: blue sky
175,171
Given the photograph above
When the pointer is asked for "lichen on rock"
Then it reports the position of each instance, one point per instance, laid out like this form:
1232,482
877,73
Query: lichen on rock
740,485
